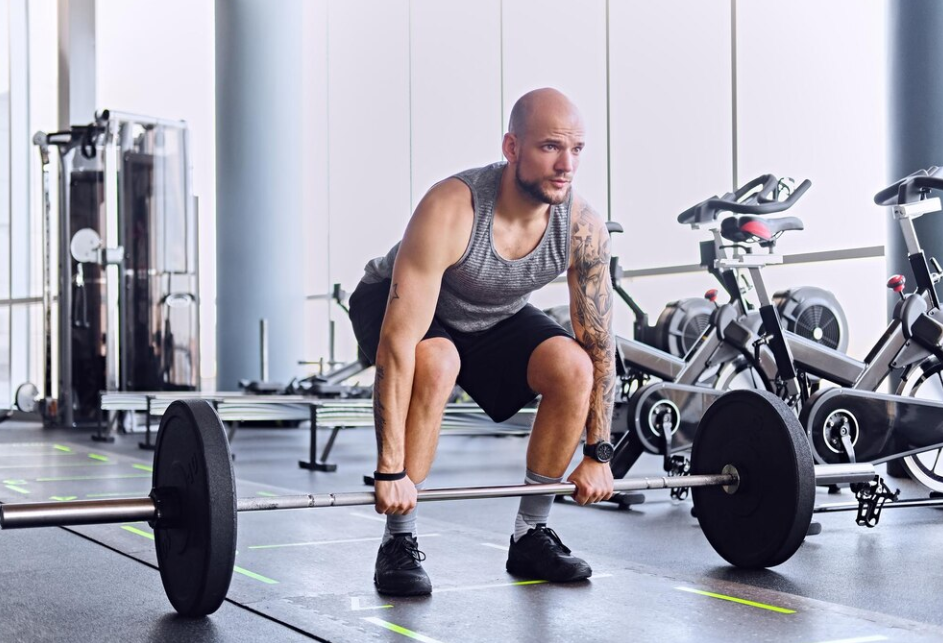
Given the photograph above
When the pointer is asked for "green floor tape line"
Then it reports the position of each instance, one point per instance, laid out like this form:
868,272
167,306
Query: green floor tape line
59,447
143,467
139,532
14,481
70,478
393,627
236,568
42,466
246,572
17,489
742,601
118,494
268,494
95,456
62,498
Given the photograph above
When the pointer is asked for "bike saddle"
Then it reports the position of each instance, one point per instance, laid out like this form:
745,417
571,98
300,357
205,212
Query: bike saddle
614,226
747,229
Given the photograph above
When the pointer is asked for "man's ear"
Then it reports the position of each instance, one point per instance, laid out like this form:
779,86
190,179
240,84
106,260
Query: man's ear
510,147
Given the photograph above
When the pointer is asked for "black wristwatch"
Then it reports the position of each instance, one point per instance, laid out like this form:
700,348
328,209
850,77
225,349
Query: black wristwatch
600,452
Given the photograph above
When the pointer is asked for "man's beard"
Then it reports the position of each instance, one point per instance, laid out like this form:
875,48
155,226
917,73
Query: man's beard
533,189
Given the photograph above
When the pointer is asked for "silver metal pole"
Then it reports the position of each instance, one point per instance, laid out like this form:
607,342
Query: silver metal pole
263,346
78,512
890,504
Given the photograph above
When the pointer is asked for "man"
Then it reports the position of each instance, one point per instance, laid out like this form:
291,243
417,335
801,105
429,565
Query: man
449,303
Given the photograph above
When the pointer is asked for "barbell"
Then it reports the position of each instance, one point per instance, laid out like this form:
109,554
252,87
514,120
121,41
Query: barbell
753,485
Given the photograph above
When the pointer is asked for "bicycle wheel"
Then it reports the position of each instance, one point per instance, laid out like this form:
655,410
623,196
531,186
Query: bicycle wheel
926,467
739,374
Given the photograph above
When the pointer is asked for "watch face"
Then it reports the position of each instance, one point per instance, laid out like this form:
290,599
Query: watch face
604,452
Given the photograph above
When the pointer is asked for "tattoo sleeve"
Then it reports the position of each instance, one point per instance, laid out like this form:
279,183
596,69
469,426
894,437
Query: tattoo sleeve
592,309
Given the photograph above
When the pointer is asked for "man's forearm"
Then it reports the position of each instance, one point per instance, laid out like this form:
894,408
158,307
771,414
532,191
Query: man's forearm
602,397
591,309
391,392
599,342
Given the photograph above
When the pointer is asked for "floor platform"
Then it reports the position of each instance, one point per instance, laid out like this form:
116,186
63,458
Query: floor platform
307,574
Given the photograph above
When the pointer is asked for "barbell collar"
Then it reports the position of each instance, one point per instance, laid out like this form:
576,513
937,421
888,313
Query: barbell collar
827,474
77,512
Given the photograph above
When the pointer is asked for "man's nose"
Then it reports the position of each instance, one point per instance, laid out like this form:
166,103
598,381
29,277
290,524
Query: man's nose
566,162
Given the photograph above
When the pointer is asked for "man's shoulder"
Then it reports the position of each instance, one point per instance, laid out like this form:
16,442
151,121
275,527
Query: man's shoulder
446,207
581,212
450,195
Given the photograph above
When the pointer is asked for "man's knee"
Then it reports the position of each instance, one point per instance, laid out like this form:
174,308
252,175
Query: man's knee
561,366
437,365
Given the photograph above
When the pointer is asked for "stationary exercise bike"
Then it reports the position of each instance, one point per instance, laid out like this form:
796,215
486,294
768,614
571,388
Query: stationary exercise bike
661,417
854,422
859,423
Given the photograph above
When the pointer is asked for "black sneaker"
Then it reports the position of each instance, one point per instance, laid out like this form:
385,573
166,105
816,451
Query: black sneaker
399,570
540,555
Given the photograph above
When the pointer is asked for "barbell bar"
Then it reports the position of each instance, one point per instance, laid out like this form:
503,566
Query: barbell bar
29,515
755,512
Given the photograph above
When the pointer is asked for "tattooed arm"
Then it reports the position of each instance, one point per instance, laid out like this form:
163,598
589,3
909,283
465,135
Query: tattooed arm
591,312
435,238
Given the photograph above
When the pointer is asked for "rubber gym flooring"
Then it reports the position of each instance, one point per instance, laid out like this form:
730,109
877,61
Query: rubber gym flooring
307,574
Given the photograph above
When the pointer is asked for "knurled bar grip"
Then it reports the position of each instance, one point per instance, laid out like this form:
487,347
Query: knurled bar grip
89,512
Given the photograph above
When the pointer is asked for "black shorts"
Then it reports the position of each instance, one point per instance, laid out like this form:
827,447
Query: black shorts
494,361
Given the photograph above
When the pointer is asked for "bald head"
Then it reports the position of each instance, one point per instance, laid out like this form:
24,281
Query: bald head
543,145
539,105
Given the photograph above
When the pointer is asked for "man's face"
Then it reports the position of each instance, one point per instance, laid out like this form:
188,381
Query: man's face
547,157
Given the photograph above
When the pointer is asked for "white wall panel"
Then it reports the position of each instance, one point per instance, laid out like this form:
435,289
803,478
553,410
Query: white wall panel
455,88
368,90
670,135
812,104
562,44
315,215
44,112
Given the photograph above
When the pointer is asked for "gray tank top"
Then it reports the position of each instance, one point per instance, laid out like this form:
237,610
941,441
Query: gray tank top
483,288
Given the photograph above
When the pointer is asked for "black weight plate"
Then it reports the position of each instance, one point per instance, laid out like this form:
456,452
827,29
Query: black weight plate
195,490
765,521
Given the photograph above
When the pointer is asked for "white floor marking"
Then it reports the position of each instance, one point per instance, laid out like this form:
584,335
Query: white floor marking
316,543
860,639
375,517
512,584
356,607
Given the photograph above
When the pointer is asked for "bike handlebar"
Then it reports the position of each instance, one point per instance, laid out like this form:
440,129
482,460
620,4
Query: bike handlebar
759,203
909,188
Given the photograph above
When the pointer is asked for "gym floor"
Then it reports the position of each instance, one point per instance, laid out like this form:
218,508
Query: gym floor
304,575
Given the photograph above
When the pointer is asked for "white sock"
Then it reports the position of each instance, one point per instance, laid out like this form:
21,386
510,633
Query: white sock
533,510
402,523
